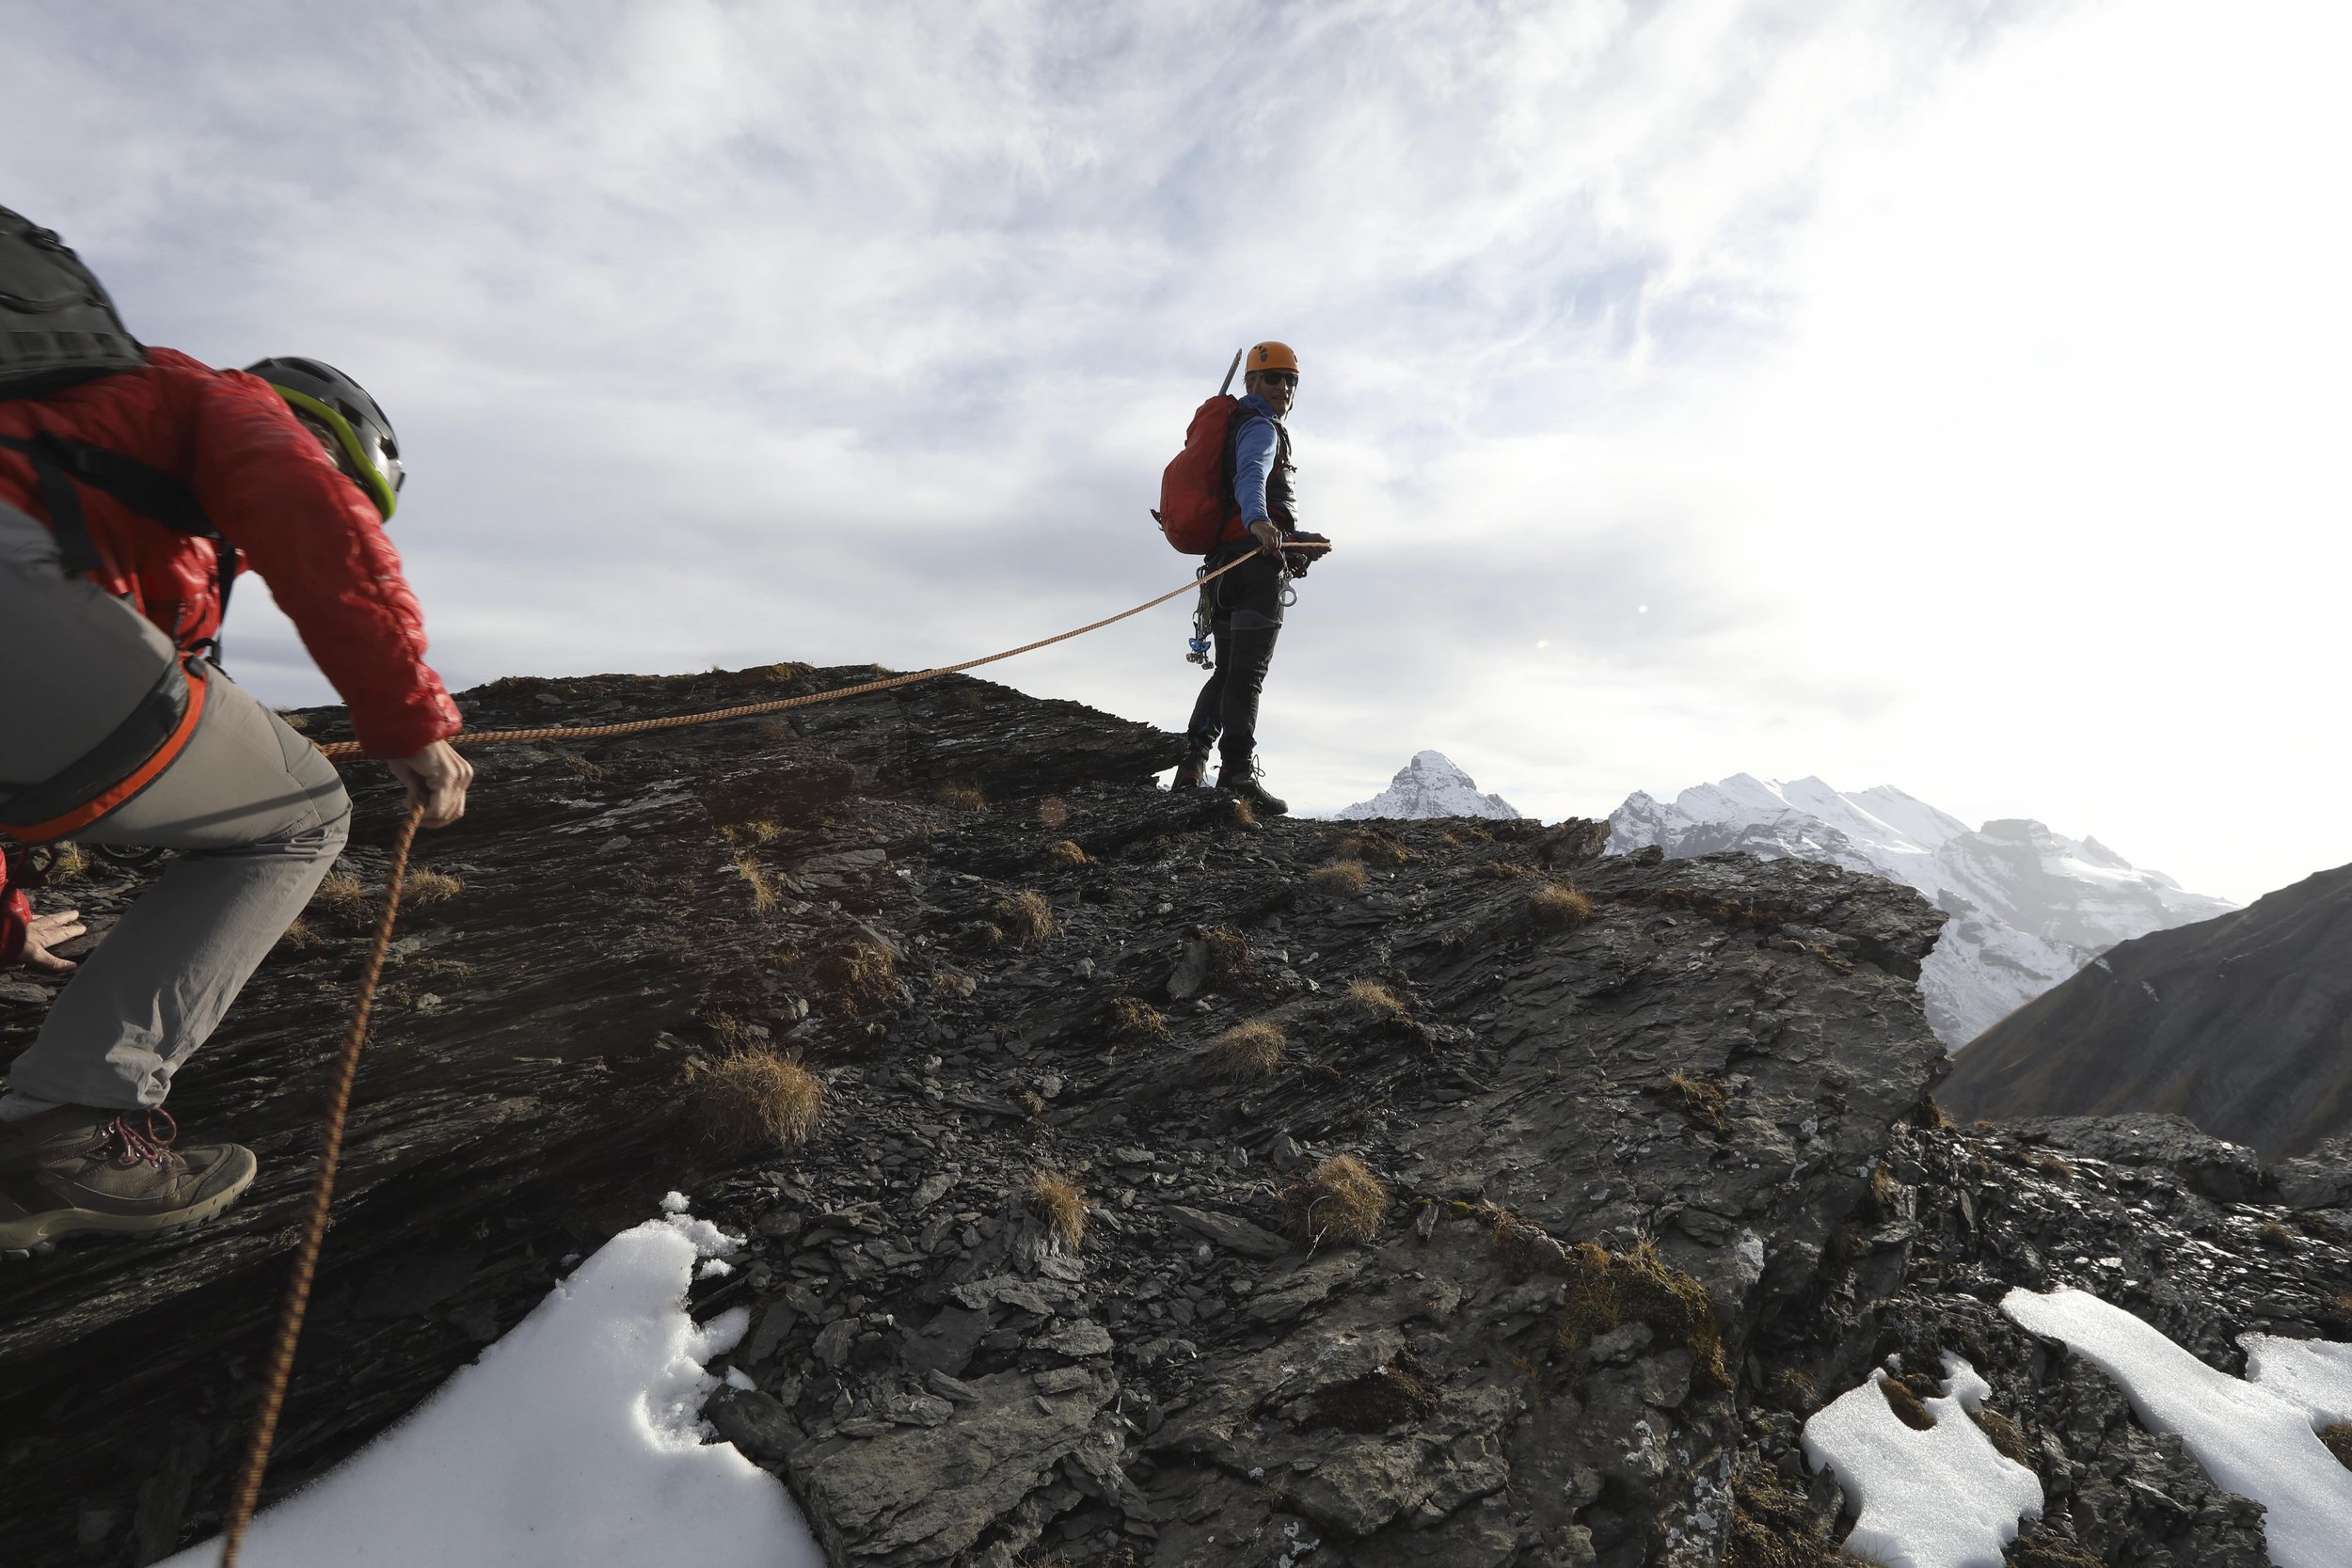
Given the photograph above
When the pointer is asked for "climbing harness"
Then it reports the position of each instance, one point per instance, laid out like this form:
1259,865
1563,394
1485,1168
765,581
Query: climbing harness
296,1305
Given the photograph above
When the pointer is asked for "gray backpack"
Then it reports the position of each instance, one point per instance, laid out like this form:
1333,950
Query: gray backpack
56,325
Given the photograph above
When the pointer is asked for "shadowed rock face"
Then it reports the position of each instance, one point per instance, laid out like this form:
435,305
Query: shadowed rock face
2242,1023
1634,1227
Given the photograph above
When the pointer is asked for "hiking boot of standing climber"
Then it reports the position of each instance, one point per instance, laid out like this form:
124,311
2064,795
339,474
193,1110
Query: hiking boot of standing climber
78,1169
1191,773
1243,778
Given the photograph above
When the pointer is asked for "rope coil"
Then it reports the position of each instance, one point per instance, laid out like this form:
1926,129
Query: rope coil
247,1496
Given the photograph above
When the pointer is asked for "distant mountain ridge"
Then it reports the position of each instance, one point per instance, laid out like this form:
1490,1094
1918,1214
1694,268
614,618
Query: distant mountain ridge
2238,1023
2028,907
1430,785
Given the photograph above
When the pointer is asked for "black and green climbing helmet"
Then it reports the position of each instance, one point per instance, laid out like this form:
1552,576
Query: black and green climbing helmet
326,396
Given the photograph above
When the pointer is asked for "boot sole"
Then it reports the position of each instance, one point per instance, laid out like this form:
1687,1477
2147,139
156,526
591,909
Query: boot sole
31,1230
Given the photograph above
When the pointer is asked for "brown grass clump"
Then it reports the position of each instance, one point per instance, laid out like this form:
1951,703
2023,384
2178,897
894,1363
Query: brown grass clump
1338,1202
947,982
1345,877
298,934
1370,996
2031,1551
2277,1237
1065,852
1057,1200
1503,871
431,887
2338,1436
1252,1050
1696,1096
1773,1527
752,1098
1373,847
1026,917
1606,1289
1556,907
755,878
2002,1433
1907,1405
1133,1019
1240,813
790,669
68,862
961,798
2046,1162
858,978
1052,811
341,894
1229,951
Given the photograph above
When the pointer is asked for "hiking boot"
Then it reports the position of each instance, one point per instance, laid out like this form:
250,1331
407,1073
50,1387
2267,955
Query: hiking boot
1191,773
78,1168
1243,780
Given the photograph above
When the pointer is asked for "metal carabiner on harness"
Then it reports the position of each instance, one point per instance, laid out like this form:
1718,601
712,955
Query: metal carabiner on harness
1197,646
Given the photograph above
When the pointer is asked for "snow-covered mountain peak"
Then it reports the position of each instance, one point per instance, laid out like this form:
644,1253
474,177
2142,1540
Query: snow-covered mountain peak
1430,785
2029,906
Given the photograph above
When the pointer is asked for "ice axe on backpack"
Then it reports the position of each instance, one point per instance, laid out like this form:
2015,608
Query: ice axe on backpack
1226,385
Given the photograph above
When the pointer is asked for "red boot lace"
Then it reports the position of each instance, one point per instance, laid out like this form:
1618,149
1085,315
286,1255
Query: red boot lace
131,1141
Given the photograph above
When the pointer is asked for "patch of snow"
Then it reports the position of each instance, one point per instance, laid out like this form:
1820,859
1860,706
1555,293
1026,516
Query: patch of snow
1939,1498
2254,1438
577,1438
1429,785
2314,1374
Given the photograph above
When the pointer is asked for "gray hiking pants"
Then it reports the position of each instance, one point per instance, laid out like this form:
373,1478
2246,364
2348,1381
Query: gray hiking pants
256,811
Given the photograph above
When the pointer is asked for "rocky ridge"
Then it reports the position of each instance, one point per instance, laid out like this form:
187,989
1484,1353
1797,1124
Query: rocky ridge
1069,1272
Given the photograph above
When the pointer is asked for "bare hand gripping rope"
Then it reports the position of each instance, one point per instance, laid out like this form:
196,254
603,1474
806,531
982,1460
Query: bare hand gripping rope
280,1364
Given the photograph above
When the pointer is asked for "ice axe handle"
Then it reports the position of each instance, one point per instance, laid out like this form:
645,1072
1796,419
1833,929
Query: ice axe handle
1228,371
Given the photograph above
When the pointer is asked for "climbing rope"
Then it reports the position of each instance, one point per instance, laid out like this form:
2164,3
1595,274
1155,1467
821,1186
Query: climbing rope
314,1226
297,1300
680,721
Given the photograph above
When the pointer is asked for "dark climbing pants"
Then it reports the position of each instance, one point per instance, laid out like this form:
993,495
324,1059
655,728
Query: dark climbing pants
1245,618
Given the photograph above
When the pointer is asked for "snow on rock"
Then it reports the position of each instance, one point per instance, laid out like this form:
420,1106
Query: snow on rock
1429,785
2254,1438
577,1438
1939,1498
2316,1375
2028,907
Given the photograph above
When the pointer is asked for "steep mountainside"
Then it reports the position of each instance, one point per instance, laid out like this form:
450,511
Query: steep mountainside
1190,1190
2243,1022
1429,785
2028,907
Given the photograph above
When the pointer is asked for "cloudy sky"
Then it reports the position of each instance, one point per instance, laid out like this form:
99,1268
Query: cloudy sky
1945,395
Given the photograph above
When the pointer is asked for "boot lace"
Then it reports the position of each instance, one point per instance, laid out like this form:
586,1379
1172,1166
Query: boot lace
131,1137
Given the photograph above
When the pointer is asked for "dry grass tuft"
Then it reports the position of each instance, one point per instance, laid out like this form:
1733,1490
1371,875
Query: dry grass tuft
2047,1161
2277,1237
857,978
1373,847
298,934
755,878
1229,952
1606,1289
1057,1200
1133,1019
1052,811
2049,1551
1556,907
292,721
341,894
68,863
2003,1435
1252,1050
430,887
1503,871
1771,1525
961,798
1065,852
1906,1404
1345,877
790,669
1696,1096
1026,917
1372,997
2338,1436
947,982
1338,1201
752,1098
1240,813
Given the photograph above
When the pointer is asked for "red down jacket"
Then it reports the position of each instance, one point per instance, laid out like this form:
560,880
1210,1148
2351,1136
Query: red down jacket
295,519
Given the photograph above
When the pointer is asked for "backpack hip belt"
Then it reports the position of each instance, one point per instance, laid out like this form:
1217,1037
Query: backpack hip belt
129,759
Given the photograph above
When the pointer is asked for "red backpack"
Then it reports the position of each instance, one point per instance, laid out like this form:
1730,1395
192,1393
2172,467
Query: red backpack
1195,492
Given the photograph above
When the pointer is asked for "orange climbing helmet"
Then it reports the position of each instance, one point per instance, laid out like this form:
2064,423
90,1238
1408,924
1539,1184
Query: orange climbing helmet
1271,357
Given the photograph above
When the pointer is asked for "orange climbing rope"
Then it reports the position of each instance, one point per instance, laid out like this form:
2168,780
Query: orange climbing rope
297,1300
748,711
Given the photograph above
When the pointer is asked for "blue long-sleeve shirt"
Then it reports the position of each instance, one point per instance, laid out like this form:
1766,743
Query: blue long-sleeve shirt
1254,456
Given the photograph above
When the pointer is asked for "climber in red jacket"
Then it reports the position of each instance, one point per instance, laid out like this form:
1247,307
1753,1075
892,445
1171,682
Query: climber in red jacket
135,485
